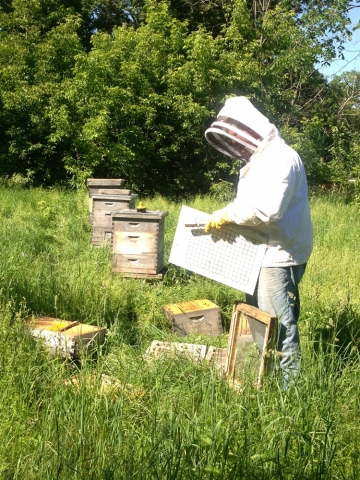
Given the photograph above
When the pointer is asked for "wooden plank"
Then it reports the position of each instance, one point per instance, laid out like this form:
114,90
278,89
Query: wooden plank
255,312
105,182
231,347
131,214
114,191
148,276
263,327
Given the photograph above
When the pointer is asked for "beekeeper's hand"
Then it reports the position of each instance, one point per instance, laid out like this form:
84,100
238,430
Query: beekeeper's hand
217,219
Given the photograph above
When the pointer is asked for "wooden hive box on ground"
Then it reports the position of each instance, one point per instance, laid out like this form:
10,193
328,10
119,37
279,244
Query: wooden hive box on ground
196,316
138,242
67,338
102,208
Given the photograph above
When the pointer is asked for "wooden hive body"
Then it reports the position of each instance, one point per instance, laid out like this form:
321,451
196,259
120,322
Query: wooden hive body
102,208
197,316
96,184
65,337
104,185
138,242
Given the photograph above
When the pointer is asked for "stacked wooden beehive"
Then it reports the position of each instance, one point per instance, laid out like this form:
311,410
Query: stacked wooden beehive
138,242
106,196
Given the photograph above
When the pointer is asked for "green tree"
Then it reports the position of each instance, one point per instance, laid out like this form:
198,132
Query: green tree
38,45
127,89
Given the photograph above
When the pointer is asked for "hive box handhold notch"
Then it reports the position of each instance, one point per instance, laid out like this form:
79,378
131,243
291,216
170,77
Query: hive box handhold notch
65,337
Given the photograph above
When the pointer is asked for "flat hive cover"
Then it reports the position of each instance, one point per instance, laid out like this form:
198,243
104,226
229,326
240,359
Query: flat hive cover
231,255
188,307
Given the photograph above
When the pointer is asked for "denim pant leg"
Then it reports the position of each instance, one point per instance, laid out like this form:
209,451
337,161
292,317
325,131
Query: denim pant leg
277,293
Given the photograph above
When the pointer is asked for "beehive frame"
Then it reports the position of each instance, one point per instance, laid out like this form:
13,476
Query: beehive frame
247,319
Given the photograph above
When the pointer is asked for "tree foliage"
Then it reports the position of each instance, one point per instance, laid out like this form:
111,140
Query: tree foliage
127,88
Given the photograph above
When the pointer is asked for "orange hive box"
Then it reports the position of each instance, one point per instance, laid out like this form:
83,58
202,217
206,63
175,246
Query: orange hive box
196,316
67,338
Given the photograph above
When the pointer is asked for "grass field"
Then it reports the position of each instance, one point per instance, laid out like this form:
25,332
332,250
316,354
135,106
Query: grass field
170,418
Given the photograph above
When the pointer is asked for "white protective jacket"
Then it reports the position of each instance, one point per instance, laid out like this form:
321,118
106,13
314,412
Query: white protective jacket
272,198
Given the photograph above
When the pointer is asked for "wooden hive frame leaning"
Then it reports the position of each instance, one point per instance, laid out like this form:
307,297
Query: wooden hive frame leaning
246,319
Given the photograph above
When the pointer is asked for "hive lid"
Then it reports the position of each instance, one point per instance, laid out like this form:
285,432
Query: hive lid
113,197
191,306
93,182
133,213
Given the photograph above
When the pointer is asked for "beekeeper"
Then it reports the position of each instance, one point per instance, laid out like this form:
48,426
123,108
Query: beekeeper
272,198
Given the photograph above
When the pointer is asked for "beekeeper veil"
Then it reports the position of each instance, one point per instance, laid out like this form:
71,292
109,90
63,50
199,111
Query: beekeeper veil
239,129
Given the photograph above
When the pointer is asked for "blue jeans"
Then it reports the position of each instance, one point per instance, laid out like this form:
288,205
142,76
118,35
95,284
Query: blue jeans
277,293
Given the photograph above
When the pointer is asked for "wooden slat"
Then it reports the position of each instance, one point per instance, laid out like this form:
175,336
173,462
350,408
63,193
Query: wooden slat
114,191
255,312
241,310
131,214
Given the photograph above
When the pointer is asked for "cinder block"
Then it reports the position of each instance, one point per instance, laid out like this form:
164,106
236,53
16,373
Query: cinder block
196,316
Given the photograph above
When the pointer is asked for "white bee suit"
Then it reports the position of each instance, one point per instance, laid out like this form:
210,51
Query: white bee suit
272,193
272,196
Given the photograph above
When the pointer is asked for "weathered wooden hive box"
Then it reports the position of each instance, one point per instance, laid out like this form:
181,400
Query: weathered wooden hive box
65,337
102,207
138,242
102,185
196,316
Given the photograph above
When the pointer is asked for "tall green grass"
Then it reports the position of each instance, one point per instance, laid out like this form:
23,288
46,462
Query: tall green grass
169,418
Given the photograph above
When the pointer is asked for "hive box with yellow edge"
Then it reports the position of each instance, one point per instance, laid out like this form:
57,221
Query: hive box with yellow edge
196,316
65,337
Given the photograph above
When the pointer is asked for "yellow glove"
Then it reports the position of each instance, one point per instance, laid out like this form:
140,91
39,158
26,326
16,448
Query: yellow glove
218,218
